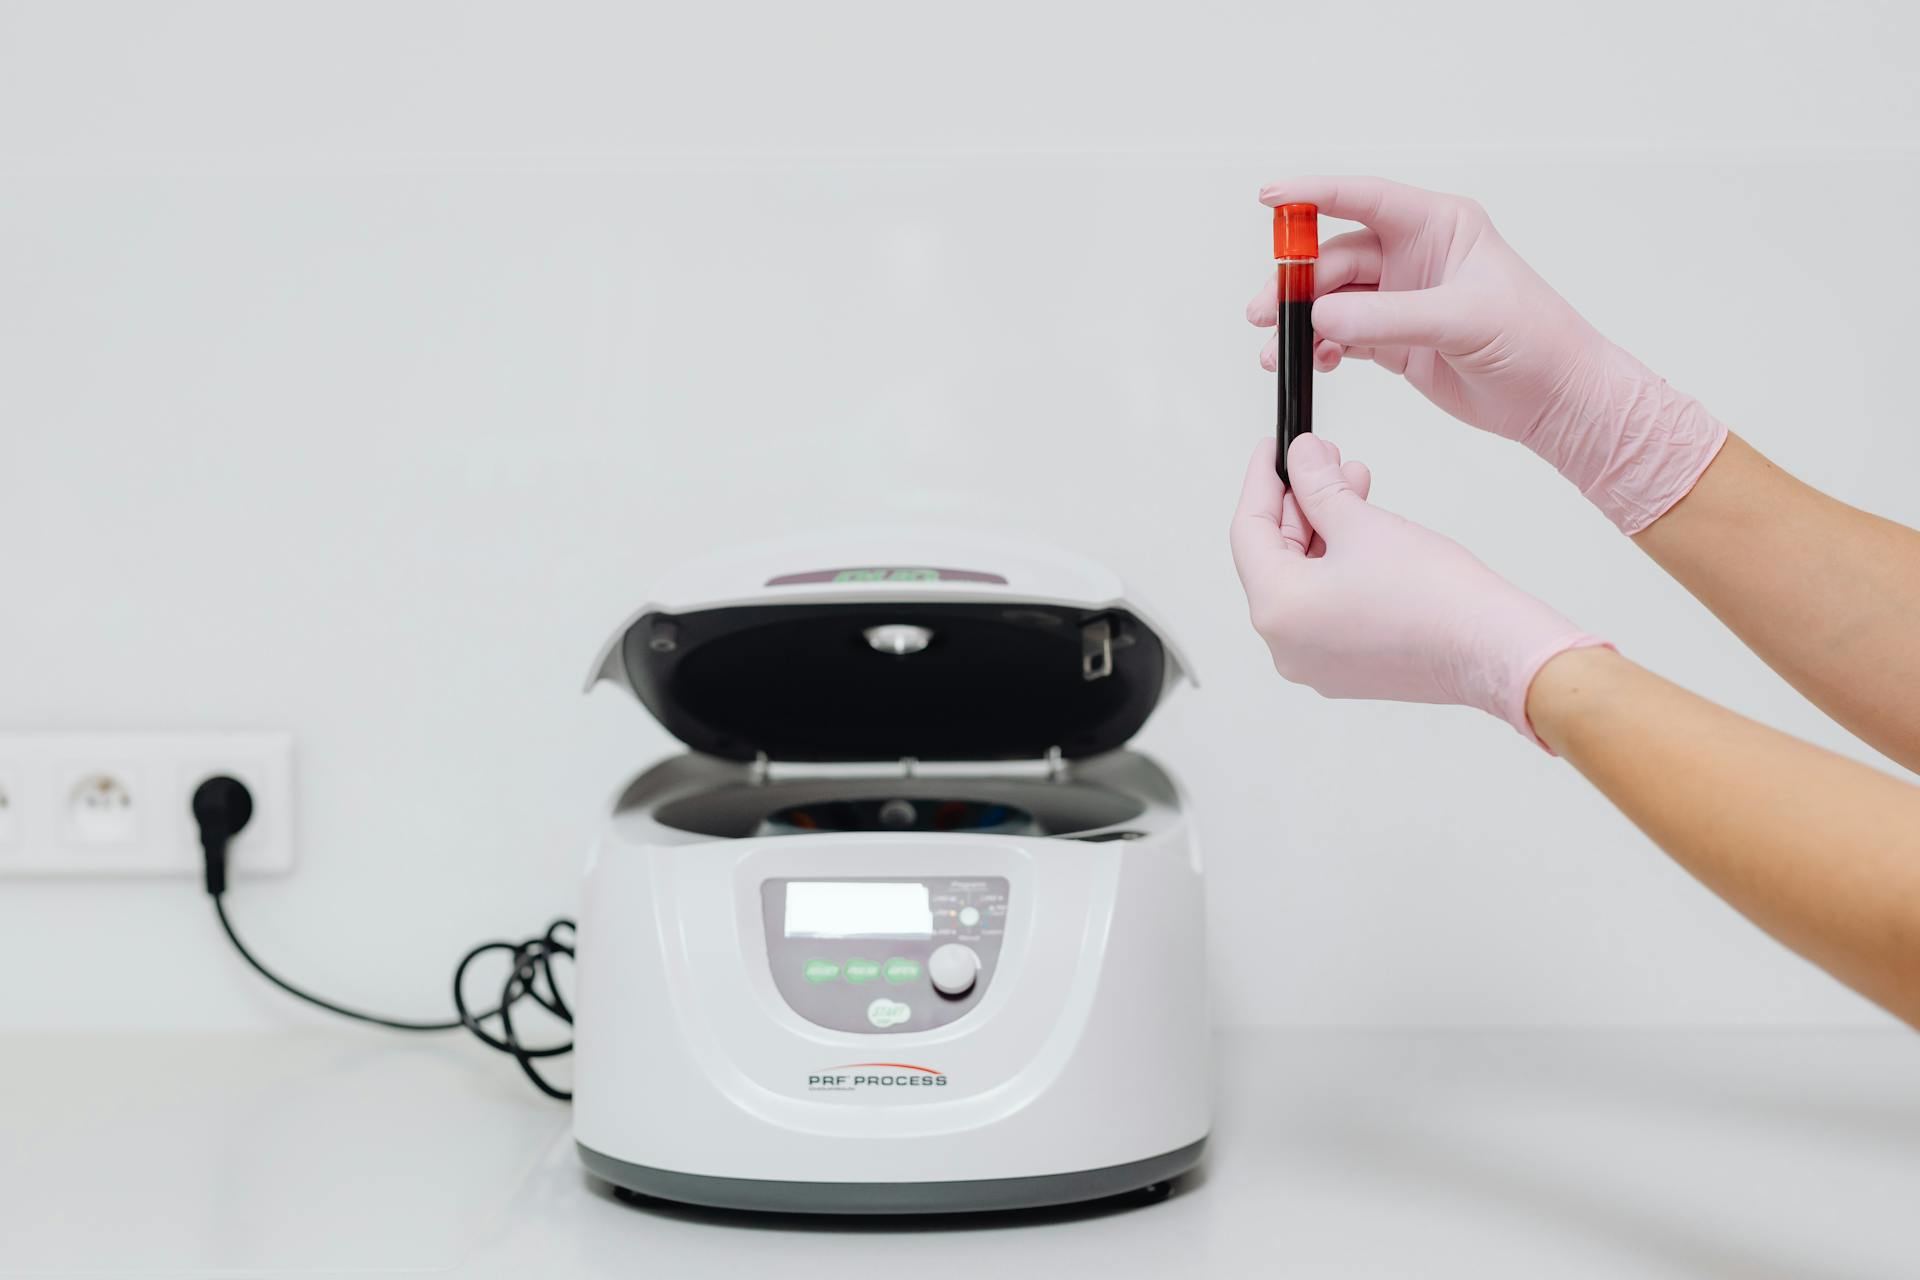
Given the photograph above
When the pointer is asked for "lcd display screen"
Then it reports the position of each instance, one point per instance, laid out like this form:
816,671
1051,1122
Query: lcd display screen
857,909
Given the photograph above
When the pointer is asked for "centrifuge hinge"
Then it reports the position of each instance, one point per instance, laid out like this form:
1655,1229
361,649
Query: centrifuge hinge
1096,649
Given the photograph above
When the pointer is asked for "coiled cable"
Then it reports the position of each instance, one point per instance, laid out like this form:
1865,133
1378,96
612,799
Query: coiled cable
223,806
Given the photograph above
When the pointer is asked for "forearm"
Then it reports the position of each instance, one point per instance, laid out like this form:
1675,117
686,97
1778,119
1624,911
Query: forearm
1821,852
1827,595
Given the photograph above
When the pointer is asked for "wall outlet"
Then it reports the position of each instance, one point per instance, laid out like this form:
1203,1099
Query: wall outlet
120,804
100,811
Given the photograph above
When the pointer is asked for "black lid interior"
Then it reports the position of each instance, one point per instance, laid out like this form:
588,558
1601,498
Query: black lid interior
801,682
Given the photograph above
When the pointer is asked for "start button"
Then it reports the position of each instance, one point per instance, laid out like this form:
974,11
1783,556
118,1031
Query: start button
884,1013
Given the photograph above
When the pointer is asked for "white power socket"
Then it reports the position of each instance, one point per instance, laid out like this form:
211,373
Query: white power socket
76,804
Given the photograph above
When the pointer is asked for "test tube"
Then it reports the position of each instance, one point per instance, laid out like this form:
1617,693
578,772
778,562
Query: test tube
1296,247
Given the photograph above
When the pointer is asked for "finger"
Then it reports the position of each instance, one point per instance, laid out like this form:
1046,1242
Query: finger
1345,261
1260,546
1263,308
1358,478
1260,489
1398,318
1270,353
1294,530
1327,354
1323,489
1383,205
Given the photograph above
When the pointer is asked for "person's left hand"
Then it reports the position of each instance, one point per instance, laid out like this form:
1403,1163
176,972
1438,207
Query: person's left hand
1357,602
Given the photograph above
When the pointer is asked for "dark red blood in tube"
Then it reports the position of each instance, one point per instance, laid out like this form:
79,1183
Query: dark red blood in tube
1295,355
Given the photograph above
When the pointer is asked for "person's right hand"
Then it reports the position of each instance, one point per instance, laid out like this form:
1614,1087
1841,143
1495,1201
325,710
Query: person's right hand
1428,289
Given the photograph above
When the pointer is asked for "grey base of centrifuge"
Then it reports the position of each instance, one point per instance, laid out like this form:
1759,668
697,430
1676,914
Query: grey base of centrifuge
978,1196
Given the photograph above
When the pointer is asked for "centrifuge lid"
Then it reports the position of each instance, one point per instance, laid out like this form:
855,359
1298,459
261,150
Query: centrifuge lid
777,650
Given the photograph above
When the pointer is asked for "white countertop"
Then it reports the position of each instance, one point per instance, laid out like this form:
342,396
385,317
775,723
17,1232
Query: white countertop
1389,1153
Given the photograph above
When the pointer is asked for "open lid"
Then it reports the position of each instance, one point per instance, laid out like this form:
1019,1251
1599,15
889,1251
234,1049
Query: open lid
878,644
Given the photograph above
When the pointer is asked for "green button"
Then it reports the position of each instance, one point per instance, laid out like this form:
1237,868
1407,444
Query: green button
900,969
859,970
821,971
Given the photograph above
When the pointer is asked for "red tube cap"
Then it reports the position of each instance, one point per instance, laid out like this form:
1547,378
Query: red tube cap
1296,231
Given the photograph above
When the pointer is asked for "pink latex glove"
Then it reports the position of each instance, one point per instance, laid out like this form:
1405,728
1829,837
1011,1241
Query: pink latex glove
1428,289
1357,602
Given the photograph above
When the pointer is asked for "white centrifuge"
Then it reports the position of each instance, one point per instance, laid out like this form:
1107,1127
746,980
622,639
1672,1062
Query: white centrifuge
909,929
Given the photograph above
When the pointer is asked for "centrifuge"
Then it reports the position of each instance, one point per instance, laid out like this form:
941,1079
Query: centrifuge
908,928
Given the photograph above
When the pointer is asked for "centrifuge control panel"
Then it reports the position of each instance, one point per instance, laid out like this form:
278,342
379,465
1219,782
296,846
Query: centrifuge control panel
884,956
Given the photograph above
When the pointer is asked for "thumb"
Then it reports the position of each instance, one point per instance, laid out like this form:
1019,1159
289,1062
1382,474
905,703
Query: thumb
1404,318
1323,488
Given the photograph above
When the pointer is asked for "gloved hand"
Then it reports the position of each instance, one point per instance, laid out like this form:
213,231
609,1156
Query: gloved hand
1428,289
1358,603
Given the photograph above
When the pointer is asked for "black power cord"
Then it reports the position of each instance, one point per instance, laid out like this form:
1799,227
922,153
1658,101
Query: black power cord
223,806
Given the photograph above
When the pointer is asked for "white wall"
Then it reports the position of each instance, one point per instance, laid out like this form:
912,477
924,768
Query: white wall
440,328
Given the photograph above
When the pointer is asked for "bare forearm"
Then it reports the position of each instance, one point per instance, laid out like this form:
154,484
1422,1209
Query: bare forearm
1827,595
1820,851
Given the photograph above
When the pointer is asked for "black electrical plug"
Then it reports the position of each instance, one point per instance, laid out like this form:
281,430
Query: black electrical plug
222,807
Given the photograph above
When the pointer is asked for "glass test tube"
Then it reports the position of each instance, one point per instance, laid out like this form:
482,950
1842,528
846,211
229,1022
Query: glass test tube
1296,247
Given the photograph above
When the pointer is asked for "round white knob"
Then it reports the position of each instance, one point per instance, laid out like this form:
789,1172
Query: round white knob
953,969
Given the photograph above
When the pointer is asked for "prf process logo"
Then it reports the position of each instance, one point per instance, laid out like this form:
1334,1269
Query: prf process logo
858,1077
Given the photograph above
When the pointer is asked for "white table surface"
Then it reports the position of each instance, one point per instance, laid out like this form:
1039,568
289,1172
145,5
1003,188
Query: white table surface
1352,1154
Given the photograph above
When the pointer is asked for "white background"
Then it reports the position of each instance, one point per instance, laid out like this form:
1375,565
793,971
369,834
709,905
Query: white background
360,364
